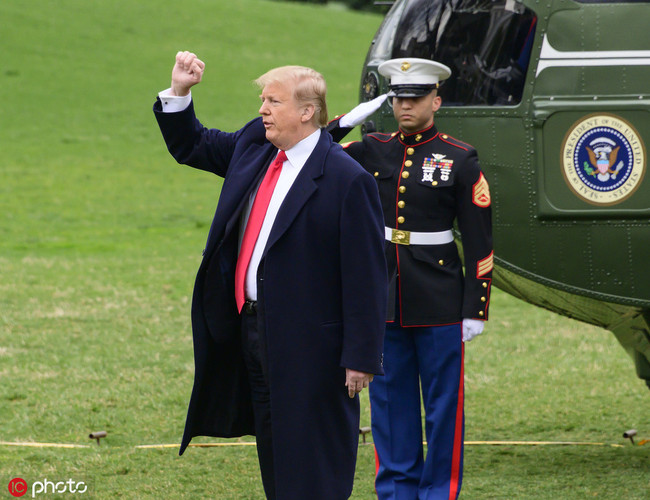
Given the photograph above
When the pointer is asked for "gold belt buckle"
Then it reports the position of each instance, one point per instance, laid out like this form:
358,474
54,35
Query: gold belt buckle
400,237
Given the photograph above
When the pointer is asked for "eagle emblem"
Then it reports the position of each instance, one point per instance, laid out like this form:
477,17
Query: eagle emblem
602,155
603,159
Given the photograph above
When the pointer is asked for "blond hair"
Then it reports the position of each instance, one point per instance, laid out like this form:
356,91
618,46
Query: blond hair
309,87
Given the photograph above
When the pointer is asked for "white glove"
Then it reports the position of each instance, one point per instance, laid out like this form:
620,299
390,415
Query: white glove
472,328
358,114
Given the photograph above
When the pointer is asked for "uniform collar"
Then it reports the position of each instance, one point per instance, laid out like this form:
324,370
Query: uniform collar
417,138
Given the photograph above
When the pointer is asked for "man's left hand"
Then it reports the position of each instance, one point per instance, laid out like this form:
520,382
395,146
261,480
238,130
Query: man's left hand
472,328
356,381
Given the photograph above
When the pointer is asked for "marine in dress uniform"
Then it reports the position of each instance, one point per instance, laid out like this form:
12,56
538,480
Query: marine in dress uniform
427,180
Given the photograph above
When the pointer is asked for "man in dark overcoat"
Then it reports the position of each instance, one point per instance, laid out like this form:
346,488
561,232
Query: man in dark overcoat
287,359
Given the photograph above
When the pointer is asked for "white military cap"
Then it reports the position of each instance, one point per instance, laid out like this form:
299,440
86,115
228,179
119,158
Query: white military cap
413,77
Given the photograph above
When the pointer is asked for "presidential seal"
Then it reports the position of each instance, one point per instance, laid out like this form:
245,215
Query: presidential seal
603,159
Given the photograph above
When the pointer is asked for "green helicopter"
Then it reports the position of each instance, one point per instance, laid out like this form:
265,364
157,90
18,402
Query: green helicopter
555,96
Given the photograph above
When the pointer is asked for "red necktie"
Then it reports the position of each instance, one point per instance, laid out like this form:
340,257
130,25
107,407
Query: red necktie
255,220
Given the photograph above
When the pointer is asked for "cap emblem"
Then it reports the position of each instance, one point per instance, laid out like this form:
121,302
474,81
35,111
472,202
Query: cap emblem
405,66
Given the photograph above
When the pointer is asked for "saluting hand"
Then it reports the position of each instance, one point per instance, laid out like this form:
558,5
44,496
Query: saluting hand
187,72
356,381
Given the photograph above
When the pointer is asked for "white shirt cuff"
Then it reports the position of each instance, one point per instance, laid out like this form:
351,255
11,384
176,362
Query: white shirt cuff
174,103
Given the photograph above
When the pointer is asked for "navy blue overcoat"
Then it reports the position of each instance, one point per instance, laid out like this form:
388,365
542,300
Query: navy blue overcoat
322,288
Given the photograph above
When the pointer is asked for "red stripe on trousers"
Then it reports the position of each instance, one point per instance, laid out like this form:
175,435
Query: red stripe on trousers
458,433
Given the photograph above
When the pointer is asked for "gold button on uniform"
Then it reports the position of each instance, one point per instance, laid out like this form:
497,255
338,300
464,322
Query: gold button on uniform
408,163
401,204
484,284
481,314
441,262
405,175
401,219
434,183
483,299
410,151
402,189
376,174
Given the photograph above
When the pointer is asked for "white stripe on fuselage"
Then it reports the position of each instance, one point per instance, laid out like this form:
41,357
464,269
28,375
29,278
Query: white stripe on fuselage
549,57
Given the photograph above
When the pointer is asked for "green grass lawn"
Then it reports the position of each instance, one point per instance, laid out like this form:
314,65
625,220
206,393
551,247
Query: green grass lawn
101,234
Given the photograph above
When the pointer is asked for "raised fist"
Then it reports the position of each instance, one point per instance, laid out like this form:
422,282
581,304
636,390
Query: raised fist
187,72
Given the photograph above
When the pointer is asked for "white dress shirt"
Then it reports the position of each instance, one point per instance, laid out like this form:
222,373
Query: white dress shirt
296,158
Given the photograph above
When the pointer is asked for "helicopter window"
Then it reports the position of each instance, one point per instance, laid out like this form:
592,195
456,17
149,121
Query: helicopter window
486,43
382,43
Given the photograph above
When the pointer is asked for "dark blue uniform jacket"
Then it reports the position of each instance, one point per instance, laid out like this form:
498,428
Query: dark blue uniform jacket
429,182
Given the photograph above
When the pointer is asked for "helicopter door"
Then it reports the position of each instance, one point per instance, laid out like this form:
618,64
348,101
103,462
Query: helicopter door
591,113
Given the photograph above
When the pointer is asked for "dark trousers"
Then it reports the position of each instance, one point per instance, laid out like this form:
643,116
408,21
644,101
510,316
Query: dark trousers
261,398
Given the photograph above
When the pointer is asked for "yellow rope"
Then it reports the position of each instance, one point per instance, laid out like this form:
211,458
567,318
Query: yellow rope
467,443
214,445
539,443
196,445
45,445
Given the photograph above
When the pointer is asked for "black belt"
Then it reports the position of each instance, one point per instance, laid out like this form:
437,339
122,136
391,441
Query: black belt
250,307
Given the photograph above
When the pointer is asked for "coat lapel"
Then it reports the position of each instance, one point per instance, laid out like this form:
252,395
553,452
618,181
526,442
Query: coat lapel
302,189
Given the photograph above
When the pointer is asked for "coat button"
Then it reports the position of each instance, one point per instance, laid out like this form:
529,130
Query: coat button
402,189
401,204
408,163
441,262
405,175
484,284
410,151
481,314
483,299
434,183
376,174
401,219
